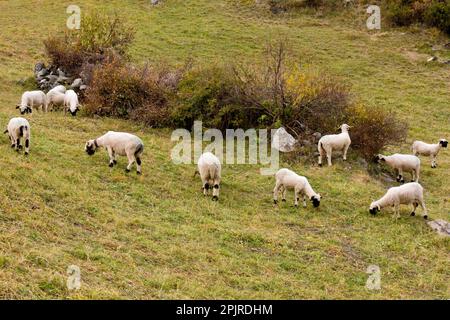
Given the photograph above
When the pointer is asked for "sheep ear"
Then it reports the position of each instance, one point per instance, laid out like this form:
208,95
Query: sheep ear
379,208
17,106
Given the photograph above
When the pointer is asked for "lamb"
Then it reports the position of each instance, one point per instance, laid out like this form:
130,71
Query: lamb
287,179
432,150
31,99
334,142
402,162
56,96
409,193
210,171
71,102
19,128
119,143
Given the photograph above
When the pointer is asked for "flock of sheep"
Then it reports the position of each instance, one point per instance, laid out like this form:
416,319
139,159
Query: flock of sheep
209,166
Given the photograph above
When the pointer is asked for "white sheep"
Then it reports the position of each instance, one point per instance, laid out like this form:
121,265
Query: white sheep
334,142
210,171
287,179
55,97
119,143
426,149
402,162
19,128
32,99
71,102
409,193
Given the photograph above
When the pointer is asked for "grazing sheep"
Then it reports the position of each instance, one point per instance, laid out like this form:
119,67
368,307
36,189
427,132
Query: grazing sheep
287,179
31,99
334,142
19,128
210,171
71,102
402,162
55,97
409,193
118,143
426,149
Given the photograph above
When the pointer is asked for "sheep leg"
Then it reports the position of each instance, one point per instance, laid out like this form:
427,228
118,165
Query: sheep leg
415,205
417,173
283,192
433,161
111,156
329,157
138,165
275,192
131,160
296,191
396,211
345,152
425,211
205,187
400,176
304,200
216,189
13,144
18,146
321,154
27,146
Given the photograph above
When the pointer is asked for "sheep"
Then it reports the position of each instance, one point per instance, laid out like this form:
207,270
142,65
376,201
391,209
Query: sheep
19,128
334,142
56,96
119,143
402,162
409,193
31,99
432,150
71,102
287,179
210,171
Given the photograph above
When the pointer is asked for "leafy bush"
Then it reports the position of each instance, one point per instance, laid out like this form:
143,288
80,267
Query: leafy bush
123,91
272,95
99,38
434,13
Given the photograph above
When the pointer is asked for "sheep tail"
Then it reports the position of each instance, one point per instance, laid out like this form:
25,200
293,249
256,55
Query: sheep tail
22,129
139,149
321,146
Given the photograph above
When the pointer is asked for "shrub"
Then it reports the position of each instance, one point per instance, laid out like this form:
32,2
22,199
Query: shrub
434,13
99,39
123,91
373,129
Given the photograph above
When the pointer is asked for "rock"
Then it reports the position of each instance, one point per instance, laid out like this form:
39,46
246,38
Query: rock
283,141
363,162
386,178
76,83
41,73
52,78
317,136
433,58
155,2
38,67
83,87
447,46
306,143
442,227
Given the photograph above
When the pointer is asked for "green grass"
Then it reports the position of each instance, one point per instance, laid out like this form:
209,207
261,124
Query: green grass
156,236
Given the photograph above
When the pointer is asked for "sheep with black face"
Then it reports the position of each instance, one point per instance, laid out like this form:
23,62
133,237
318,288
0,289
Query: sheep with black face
334,142
119,143
402,162
426,149
409,193
287,179
210,171
32,99
71,103
19,128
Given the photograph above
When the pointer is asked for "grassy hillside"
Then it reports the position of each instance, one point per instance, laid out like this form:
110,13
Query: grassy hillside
156,236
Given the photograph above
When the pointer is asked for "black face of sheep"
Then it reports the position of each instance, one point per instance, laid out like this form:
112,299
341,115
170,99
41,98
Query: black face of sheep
74,113
24,110
444,143
90,148
316,201
378,159
374,211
